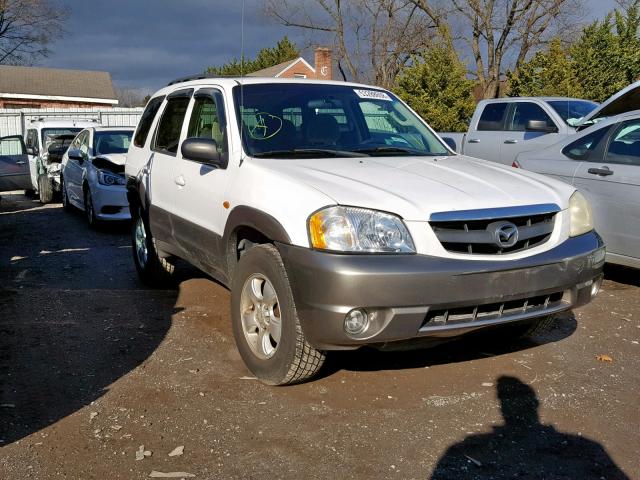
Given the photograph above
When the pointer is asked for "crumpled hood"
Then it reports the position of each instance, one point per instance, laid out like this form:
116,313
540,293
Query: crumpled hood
415,187
115,158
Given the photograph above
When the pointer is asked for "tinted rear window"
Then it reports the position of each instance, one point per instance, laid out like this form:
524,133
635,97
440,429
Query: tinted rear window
492,118
146,120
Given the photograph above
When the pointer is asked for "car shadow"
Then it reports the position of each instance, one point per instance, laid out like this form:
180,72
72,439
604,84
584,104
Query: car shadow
523,447
73,316
621,274
489,343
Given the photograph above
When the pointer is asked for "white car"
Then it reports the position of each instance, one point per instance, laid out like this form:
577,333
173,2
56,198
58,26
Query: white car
40,134
339,219
92,174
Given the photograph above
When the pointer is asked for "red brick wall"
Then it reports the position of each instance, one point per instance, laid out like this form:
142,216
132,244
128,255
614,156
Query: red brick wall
298,69
28,103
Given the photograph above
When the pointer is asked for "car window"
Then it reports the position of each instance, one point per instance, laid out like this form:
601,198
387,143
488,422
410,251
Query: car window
320,120
146,120
624,146
32,138
170,126
112,142
11,146
492,118
84,144
582,148
572,111
207,122
523,112
49,134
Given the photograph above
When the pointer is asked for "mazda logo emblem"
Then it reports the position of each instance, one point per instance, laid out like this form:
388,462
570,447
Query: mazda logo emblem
505,234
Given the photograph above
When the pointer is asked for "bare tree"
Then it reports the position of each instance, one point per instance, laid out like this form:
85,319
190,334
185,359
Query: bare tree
132,97
500,34
372,39
27,27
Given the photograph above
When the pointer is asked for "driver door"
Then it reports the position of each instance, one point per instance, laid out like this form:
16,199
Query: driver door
74,168
14,164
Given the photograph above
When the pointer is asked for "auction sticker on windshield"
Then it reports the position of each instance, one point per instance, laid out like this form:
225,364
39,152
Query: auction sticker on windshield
373,94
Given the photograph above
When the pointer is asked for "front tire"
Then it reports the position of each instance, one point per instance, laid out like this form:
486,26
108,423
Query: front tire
265,324
89,211
45,189
152,269
65,197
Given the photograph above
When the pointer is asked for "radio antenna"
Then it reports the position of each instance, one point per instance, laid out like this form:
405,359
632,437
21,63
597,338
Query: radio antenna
241,106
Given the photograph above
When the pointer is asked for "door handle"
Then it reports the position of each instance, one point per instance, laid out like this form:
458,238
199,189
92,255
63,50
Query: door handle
179,180
474,140
21,162
603,172
511,141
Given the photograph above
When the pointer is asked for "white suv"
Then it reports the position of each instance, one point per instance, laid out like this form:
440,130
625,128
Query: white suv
339,219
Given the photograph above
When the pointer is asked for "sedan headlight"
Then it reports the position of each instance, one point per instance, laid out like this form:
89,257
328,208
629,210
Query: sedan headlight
110,179
350,229
580,214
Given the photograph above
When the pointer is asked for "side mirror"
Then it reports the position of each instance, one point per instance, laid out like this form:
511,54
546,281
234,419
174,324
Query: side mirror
32,151
540,126
76,154
203,150
451,143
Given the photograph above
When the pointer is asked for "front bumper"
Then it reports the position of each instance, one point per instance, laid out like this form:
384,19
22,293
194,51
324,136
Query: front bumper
110,202
411,296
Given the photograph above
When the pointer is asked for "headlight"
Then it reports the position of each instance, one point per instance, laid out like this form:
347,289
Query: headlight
580,214
350,229
106,178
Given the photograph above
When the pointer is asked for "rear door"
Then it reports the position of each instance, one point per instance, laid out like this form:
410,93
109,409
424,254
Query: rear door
14,164
518,138
611,181
485,138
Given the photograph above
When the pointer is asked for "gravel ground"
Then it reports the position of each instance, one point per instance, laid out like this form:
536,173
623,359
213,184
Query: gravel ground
93,366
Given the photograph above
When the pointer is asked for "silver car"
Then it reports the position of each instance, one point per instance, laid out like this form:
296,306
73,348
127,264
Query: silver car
92,174
603,162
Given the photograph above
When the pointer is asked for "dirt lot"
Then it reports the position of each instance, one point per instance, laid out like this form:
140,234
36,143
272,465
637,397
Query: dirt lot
93,365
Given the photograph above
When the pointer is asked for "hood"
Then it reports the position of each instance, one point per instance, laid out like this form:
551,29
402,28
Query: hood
112,163
115,158
626,100
415,187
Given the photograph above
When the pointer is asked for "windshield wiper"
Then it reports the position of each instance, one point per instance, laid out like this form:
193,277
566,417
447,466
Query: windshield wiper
389,149
308,152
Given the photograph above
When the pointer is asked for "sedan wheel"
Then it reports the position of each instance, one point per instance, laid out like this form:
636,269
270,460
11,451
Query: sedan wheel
140,238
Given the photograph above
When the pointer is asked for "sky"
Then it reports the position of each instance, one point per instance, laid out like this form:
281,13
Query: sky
144,44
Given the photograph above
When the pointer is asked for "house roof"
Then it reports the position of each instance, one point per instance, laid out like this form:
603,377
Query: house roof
279,69
56,84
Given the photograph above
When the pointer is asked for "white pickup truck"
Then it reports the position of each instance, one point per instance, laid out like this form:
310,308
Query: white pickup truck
339,219
502,128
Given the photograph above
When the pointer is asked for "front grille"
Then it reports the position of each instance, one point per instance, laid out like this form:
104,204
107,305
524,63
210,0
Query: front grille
476,236
493,311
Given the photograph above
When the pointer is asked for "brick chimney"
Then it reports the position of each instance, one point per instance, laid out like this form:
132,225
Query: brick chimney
323,64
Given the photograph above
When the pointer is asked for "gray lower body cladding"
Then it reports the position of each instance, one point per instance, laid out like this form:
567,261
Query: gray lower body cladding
411,296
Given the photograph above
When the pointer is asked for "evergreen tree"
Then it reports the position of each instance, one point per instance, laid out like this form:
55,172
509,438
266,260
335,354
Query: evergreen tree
437,88
267,57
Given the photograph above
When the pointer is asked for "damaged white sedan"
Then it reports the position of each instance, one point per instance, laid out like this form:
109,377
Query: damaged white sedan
92,174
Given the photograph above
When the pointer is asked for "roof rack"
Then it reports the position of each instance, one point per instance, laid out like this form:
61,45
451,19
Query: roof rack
198,76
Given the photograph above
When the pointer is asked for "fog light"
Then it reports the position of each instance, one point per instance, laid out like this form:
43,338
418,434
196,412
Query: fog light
595,288
356,322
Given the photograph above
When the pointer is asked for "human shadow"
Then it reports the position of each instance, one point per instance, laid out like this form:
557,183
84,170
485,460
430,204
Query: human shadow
74,319
523,447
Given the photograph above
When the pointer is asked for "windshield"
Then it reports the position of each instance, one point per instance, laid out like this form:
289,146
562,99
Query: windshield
112,142
573,111
314,120
50,134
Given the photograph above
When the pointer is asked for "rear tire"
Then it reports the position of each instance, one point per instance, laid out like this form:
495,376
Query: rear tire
45,189
152,269
265,322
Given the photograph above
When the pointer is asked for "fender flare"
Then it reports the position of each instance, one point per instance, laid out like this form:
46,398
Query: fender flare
244,216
